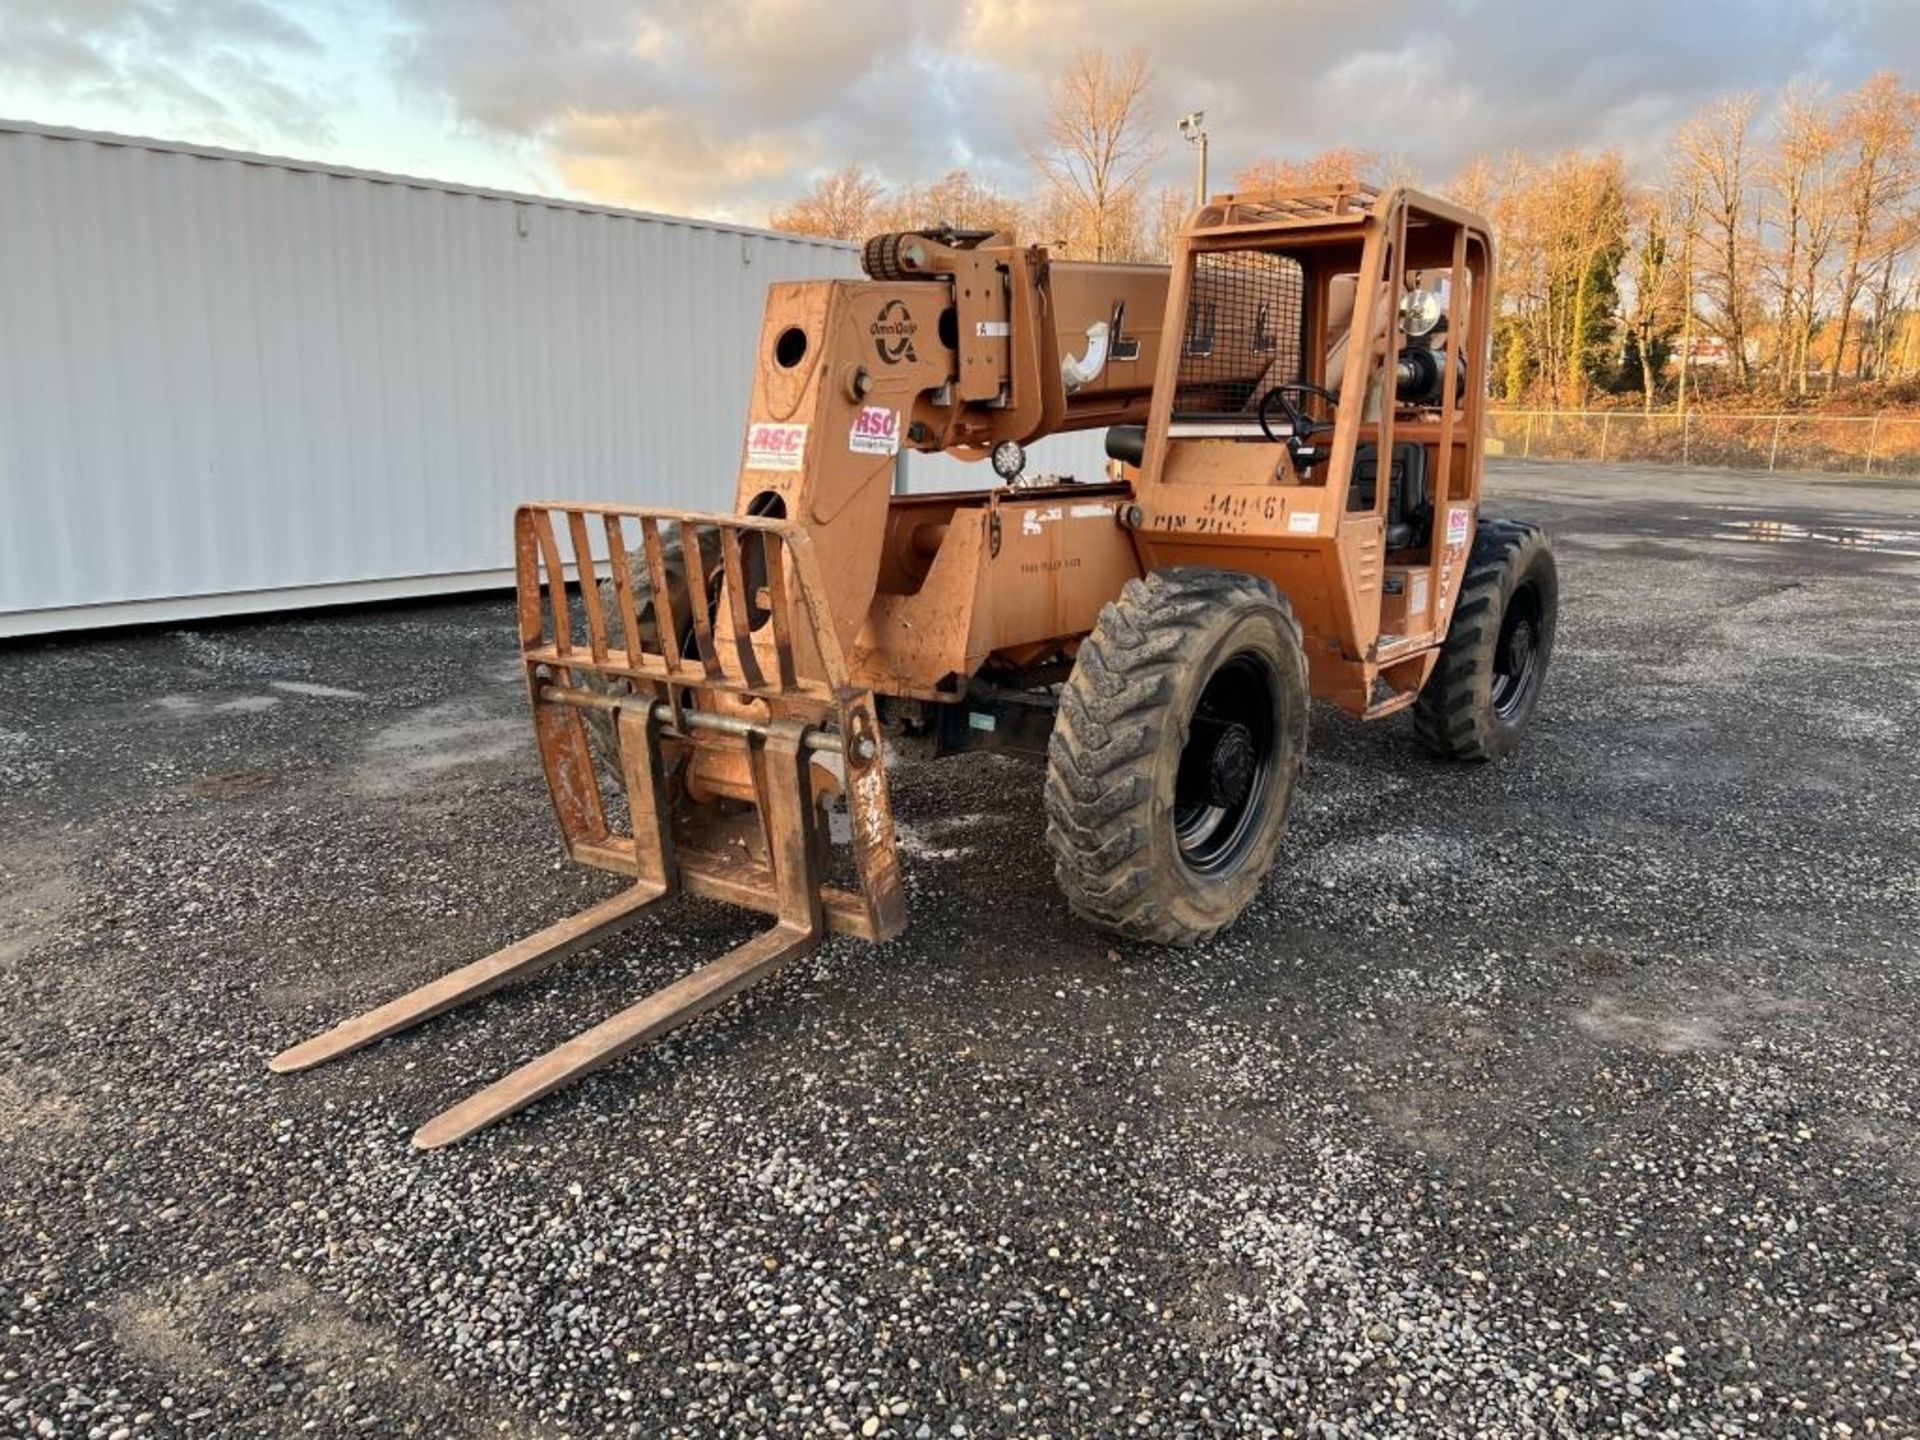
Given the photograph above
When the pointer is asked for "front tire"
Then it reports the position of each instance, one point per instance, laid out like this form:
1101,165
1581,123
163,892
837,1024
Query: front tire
1478,701
683,581
1179,738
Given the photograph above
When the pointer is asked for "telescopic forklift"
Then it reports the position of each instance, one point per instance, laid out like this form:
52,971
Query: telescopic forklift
1291,511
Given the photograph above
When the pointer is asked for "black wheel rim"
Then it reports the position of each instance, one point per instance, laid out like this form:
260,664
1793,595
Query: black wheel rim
1220,796
1517,658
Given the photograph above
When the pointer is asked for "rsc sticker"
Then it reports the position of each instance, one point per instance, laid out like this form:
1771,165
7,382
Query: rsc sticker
776,447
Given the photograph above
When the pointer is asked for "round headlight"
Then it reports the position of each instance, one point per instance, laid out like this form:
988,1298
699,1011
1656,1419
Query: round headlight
1009,459
1419,312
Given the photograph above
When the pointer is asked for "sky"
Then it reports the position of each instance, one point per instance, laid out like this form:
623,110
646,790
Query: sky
728,108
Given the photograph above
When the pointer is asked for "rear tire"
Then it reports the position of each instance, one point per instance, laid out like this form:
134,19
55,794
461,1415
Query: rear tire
1481,696
1179,738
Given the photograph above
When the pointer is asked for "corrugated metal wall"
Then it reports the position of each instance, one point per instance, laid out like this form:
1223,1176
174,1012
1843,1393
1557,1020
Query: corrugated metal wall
229,383
235,384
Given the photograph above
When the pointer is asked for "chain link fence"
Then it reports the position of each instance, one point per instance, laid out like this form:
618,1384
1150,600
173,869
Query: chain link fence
1829,444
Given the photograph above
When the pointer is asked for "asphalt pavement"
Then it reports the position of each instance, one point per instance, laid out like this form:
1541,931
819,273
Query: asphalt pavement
1575,1095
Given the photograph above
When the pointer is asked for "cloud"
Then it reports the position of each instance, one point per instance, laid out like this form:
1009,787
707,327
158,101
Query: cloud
1439,83
724,106
730,107
648,159
227,67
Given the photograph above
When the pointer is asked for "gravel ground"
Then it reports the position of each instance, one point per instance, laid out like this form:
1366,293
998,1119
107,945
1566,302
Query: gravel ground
1571,1096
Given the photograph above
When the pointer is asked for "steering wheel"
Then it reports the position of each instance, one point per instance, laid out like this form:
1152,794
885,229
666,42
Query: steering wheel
1298,421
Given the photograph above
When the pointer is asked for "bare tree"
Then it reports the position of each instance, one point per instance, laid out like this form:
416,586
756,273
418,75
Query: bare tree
1050,220
1898,347
1497,187
956,198
840,206
1792,240
1685,200
1656,259
1713,148
1171,206
1879,174
1562,226
1795,242
1326,168
1096,153
1584,203
1884,353
1477,186
1799,173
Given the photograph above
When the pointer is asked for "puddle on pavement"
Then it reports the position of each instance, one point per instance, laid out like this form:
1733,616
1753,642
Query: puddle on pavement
1877,539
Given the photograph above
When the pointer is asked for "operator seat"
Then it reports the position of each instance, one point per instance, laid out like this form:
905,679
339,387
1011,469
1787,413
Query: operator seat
1409,501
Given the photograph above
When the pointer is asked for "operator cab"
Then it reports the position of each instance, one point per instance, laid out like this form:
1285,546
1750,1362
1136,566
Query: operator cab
1248,373
1329,359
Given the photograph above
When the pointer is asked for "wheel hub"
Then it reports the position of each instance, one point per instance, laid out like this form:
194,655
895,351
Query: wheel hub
1516,654
1219,806
1231,766
1520,647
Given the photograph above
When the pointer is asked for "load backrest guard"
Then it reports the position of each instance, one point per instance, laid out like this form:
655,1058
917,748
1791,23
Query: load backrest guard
767,658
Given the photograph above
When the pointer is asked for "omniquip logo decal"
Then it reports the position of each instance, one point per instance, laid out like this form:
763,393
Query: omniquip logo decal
892,332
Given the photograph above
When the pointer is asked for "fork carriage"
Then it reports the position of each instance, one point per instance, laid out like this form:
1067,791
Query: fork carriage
725,749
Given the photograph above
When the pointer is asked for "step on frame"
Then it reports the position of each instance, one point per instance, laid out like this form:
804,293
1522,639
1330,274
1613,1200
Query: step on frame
754,705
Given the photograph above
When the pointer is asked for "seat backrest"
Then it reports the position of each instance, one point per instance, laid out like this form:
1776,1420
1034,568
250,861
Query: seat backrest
1409,500
1409,503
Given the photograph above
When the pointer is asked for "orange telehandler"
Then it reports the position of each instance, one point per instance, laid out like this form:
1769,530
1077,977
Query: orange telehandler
1294,410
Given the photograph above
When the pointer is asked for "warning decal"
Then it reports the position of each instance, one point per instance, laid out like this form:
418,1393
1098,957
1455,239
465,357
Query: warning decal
1457,521
1031,521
